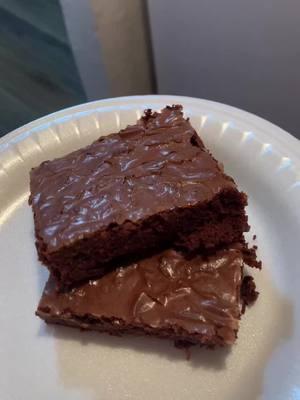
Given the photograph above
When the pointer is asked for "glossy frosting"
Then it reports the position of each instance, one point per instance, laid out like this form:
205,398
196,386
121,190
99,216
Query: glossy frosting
166,291
157,165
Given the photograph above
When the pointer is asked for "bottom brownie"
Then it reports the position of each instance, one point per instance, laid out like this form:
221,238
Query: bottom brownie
190,301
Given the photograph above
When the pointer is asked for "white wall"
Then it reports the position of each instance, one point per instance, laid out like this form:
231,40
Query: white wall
80,25
110,43
244,53
122,33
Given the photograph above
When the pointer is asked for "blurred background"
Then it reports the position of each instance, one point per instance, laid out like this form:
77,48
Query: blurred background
59,53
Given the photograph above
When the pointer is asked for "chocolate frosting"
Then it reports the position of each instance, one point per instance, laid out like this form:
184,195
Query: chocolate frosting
200,296
156,165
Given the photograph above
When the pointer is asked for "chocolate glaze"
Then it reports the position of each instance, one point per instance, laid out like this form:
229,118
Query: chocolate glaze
158,165
196,300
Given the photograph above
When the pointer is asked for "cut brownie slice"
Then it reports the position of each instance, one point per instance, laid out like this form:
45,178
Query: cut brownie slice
150,186
190,301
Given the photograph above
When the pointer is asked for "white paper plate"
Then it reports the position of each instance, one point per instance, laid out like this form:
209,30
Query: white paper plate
40,362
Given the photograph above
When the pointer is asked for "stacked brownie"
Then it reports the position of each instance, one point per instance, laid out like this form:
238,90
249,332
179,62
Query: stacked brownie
142,233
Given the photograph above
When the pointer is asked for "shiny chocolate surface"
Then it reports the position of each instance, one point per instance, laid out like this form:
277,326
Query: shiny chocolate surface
157,165
200,296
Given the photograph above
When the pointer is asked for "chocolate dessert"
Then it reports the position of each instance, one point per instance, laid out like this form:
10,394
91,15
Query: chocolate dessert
190,301
149,187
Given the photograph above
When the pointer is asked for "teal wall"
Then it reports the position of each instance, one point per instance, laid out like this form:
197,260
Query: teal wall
38,74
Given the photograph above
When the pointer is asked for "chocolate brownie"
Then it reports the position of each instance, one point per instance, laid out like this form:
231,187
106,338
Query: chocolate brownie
190,301
147,187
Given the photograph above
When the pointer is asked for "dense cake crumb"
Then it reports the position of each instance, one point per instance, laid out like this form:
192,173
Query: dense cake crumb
250,256
248,291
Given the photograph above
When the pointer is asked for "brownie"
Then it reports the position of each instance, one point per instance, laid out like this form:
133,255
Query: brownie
148,187
190,301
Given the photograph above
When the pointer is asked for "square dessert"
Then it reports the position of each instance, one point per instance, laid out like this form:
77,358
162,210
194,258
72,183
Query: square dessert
146,188
190,301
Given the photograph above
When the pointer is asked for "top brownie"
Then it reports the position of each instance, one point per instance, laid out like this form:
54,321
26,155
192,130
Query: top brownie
149,186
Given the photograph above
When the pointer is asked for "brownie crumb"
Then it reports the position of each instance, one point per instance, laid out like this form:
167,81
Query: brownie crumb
250,256
249,293
254,237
